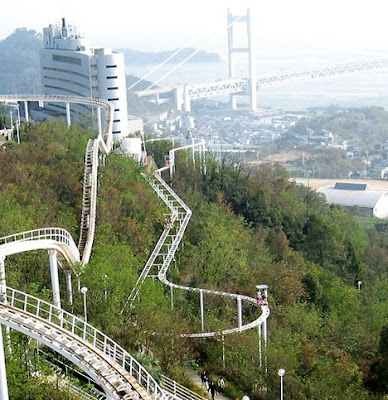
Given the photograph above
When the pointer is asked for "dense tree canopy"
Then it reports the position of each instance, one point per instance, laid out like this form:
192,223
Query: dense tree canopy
246,229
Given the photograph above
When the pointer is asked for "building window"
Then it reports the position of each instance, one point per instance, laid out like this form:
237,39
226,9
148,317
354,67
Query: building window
114,99
116,132
111,77
117,109
113,88
64,90
116,120
66,71
53,78
67,59
110,66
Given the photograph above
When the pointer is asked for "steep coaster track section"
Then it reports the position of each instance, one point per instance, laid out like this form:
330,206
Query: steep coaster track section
103,144
117,372
168,244
89,200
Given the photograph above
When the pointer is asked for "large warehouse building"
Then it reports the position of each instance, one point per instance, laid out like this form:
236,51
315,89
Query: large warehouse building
358,198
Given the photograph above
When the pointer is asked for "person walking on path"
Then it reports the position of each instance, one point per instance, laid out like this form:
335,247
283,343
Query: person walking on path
212,388
221,385
205,380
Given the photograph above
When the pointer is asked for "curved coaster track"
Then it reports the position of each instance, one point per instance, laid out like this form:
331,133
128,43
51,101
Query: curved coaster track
109,365
165,249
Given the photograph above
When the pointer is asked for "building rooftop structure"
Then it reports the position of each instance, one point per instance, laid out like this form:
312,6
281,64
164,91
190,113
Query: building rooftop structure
64,37
70,67
358,198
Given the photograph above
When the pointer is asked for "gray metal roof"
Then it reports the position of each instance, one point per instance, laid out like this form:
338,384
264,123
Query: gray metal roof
351,198
350,186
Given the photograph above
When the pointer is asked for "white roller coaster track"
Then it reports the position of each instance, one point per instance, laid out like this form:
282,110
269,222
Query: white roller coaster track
108,364
105,139
168,244
89,200
46,238
116,371
103,144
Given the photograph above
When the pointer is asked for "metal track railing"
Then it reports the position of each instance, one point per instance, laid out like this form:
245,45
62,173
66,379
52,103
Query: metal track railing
164,192
89,201
175,390
106,138
69,332
168,244
86,197
16,243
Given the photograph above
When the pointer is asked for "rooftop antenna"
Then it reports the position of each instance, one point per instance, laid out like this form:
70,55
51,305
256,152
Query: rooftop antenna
64,30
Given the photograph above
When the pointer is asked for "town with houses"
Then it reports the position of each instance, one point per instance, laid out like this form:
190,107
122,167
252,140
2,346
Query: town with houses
252,135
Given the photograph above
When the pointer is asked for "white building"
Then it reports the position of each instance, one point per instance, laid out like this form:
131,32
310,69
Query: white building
358,198
135,125
69,66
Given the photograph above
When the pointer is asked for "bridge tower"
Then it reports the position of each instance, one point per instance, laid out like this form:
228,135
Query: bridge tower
249,50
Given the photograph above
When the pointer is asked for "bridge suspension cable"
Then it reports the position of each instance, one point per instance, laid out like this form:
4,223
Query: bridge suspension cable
157,67
173,69
178,65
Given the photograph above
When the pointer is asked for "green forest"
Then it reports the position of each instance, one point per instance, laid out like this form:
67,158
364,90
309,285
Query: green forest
248,228
358,148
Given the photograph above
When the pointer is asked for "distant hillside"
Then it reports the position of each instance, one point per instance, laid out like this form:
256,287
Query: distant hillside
140,57
19,55
19,66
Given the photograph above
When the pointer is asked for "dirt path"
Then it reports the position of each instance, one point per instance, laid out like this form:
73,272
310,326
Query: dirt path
196,379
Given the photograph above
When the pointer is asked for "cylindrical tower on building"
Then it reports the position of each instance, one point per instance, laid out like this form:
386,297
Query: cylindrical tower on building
111,84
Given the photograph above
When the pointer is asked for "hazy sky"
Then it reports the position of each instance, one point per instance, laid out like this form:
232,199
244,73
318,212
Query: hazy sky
356,25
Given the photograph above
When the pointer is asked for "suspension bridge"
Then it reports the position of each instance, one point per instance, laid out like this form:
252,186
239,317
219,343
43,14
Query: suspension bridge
181,96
